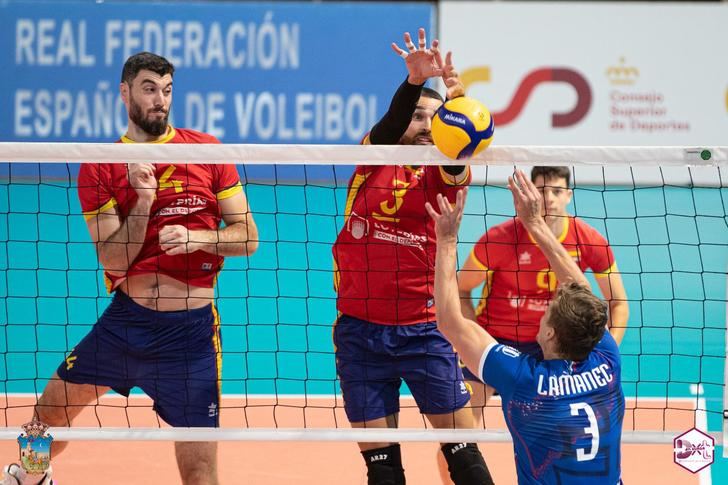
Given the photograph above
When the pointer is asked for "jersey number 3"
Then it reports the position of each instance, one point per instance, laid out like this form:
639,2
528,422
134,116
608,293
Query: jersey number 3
592,429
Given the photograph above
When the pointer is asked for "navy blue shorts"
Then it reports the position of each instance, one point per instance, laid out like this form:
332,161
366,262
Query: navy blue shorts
174,357
372,360
529,348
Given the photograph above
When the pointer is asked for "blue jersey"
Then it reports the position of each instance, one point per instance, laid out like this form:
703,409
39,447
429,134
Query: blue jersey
565,417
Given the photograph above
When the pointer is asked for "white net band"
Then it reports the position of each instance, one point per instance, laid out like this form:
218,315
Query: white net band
360,154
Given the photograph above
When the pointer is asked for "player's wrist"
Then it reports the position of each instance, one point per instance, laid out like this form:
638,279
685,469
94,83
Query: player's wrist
416,80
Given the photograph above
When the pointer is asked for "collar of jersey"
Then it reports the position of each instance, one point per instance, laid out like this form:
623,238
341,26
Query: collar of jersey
170,134
564,231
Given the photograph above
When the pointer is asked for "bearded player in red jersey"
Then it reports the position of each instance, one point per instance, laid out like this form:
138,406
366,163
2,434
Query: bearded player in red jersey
157,233
518,283
385,262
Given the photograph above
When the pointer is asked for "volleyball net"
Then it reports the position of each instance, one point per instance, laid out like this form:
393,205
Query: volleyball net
664,211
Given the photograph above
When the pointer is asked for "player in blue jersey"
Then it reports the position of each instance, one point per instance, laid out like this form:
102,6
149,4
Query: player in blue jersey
564,412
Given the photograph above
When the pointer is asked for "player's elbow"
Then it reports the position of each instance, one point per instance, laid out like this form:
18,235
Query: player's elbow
251,247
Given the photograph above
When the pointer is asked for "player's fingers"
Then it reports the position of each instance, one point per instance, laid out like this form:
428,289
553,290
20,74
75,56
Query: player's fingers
399,51
430,210
408,42
448,59
438,60
445,207
460,200
176,250
422,39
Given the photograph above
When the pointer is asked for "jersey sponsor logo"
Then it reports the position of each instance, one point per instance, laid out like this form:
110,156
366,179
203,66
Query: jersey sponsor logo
184,206
568,384
384,232
524,258
694,450
463,388
178,211
206,266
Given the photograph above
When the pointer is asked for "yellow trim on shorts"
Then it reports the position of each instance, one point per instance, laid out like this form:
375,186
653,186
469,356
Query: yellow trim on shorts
230,191
218,351
607,272
107,206
170,134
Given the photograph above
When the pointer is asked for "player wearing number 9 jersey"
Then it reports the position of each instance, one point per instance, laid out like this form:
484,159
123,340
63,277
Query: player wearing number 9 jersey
564,412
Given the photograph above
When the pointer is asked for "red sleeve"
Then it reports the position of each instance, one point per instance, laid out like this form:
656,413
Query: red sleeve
595,249
94,189
226,181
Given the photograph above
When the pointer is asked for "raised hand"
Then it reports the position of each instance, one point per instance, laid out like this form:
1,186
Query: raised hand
142,179
450,77
527,199
447,221
421,62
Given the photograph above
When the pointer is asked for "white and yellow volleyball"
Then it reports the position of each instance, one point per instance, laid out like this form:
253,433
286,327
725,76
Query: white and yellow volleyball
462,127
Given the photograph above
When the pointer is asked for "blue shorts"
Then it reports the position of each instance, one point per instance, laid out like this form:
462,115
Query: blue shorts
372,360
172,356
529,348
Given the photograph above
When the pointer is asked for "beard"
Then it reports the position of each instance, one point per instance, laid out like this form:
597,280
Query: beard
153,127
423,137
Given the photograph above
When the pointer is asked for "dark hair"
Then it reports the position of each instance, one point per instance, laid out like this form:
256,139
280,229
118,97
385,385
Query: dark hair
551,173
148,61
579,319
431,93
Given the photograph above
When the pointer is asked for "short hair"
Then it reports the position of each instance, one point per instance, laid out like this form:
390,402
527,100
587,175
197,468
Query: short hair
551,173
148,61
579,320
431,93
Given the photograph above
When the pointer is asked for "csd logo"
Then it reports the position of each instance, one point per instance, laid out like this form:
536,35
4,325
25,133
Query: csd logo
565,117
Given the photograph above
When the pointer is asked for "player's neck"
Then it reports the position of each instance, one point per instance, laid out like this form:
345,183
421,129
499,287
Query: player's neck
557,224
136,134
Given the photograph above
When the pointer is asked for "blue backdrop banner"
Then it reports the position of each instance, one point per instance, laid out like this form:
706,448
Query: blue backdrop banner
247,72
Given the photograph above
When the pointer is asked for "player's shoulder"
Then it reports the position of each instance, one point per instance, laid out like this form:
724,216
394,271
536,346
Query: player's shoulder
606,349
186,135
97,171
583,228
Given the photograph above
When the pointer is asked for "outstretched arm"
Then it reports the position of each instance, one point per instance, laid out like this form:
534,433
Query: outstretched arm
422,63
469,339
528,202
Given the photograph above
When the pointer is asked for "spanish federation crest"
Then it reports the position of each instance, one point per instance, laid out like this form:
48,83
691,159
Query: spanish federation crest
35,447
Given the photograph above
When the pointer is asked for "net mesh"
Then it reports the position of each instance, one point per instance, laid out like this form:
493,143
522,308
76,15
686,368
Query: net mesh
662,209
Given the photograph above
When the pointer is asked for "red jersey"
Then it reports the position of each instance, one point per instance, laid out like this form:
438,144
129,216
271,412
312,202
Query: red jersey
520,284
187,195
385,253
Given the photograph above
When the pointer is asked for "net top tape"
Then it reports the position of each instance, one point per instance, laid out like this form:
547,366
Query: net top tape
360,154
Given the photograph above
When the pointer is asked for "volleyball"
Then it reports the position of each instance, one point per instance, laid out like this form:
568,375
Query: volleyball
462,127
